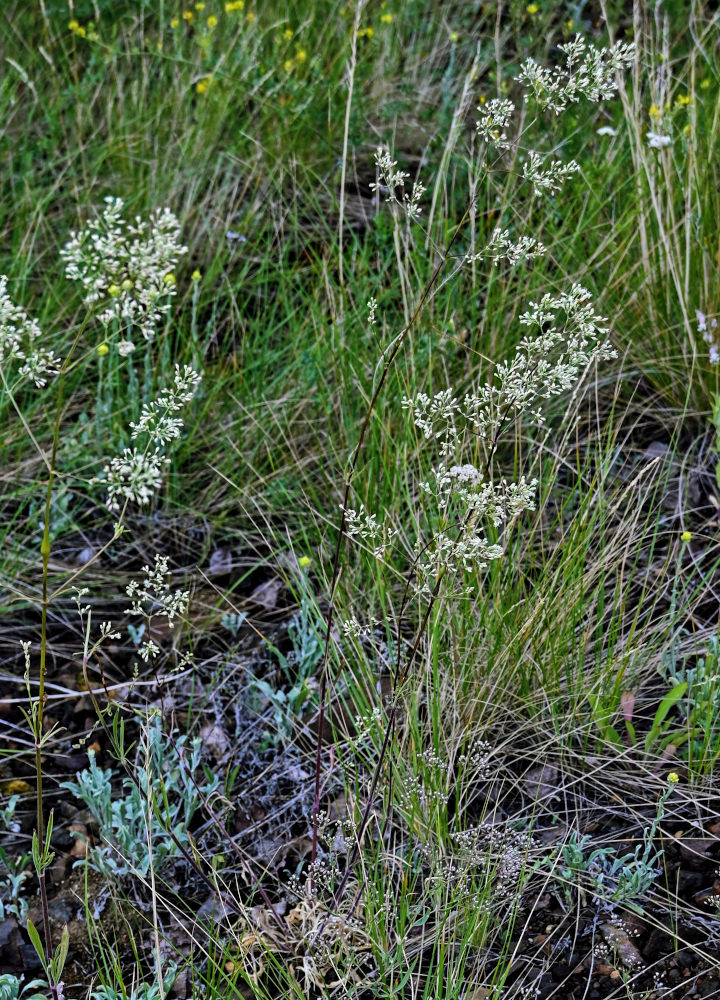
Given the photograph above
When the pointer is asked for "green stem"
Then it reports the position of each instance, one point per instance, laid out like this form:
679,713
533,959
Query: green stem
40,704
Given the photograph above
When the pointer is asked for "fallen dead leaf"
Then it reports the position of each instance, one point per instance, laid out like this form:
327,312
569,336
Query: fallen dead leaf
266,595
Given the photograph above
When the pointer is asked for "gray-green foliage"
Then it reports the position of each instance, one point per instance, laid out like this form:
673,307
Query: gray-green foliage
11,988
156,806
613,879
13,868
608,877
143,991
299,666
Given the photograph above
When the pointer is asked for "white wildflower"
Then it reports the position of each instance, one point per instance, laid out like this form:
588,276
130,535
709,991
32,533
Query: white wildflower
588,72
550,179
494,119
433,416
360,524
390,179
156,419
606,130
360,630
570,335
657,140
502,247
126,267
125,347
372,308
19,336
153,595
135,476
714,355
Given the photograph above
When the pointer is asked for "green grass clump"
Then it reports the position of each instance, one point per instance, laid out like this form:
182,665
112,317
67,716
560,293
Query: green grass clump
460,708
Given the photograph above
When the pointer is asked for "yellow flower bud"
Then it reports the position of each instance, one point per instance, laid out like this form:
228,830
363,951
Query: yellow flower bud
196,276
673,777
686,536
304,561
102,349
126,285
169,279
114,290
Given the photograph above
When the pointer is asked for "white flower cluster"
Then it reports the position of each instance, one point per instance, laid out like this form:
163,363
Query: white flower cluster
706,327
588,72
18,341
544,365
357,629
360,524
569,336
501,853
392,179
548,180
495,116
464,484
137,474
154,597
502,247
127,267
658,140
156,419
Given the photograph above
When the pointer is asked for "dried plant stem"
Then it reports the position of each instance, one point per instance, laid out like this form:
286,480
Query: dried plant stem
352,63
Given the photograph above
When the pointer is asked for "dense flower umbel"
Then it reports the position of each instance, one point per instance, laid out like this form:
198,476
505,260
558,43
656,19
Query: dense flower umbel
126,267
18,341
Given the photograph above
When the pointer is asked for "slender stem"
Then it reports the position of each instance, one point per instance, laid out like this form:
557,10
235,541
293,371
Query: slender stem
399,341
41,697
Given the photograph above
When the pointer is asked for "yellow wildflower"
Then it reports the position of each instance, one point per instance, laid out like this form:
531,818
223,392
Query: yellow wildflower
366,32
200,6
250,17
288,65
654,111
212,21
288,33
202,88
681,100
301,55
188,15
169,279
454,36
234,5
686,536
114,290
304,561
102,349
673,777
175,22
196,276
532,8
386,18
